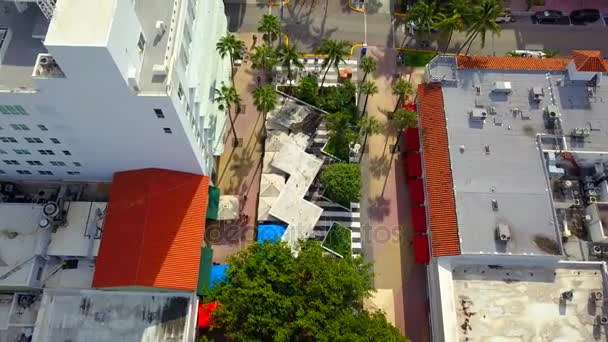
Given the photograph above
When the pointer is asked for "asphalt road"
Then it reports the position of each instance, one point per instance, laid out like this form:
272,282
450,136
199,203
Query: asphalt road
306,26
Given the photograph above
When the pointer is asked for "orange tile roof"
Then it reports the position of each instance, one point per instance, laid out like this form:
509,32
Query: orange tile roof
512,63
153,230
589,60
437,171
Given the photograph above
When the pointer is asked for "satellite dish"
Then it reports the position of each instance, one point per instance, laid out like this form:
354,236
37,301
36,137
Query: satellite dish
357,148
50,209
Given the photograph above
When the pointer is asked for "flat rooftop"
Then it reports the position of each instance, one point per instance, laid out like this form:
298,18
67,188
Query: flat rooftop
93,315
21,39
149,12
499,161
514,303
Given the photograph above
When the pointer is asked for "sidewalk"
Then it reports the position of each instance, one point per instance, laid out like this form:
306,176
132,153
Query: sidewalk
239,168
387,232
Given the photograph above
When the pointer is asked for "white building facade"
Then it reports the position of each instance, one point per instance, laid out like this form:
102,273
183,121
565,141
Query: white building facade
89,87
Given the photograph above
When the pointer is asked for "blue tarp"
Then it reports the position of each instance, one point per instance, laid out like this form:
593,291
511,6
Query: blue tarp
218,273
270,232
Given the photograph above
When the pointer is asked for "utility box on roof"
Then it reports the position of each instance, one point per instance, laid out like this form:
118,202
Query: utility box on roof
502,87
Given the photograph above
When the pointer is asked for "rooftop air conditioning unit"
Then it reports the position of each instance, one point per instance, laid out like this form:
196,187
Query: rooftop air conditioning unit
596,251
552,111
502,87
44,223
51,209
598,295
603,320
503,232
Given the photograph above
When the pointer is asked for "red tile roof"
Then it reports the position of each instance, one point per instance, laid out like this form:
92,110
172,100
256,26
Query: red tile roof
589,60
153,230
512,63
438,172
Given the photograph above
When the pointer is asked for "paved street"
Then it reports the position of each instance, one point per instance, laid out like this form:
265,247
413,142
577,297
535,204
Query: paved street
306,27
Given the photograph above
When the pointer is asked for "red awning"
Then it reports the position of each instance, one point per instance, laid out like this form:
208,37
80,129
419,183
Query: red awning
204,314
410,106
414,167
419,219
416,190
421,249
412,139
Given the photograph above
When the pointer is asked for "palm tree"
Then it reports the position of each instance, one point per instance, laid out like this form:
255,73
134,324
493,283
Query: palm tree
265,100
367,126
368,89
485,20
368,64
423,16
264,58
335,50
402,119
228,45
270,25
449,24
402,89
226,97
288,57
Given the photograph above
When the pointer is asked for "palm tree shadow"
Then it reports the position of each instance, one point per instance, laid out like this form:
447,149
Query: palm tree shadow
379,165
379,208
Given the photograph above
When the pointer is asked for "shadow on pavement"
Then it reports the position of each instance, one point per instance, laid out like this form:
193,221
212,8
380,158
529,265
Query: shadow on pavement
235,14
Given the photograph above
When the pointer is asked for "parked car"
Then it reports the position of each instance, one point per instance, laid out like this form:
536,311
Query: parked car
584,16
548,16
506,17
527,53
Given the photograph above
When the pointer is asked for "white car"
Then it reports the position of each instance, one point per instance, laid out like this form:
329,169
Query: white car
528,53
505,18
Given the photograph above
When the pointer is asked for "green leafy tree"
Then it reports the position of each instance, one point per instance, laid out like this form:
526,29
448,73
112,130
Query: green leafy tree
288,57
341,134
448,24
368,65
402,119
368,125
485,15
229,46
424,16
342,182
550,53
226,97
336,51
368,89
269,295
464,8
264,58
265,100
340,98
402,89
270,25
308,89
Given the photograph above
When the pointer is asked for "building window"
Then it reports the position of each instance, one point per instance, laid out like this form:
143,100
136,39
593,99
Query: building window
10,162
3,152
2,172
20,127
44,172
66,152
73,173
159,113
46,152
8,139
24,172
21,151
180,92
167,130
12,110
77,164
57,163
55,141
184,57
43,128
34,162
141,43
34,140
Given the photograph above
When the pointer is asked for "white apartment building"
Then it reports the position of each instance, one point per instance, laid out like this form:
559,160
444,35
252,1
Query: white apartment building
91,87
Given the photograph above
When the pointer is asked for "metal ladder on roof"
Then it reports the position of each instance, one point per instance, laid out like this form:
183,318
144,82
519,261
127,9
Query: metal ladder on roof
47,7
